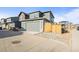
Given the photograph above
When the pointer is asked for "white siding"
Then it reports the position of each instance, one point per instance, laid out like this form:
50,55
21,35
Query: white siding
3,25
22,17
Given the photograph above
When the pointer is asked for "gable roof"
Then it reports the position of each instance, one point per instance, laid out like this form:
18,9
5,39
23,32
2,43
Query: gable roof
26,15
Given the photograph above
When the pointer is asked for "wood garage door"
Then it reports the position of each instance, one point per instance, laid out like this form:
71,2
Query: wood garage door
33,26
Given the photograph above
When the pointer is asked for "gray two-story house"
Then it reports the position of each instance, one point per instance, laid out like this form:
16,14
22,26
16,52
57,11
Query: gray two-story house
35,21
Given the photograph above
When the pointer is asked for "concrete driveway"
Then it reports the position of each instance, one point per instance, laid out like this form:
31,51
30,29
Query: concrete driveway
31,43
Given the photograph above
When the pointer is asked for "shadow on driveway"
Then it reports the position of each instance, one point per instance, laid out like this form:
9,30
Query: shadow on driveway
5,34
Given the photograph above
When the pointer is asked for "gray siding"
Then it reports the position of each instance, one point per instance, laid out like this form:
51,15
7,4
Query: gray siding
12,19
34,15
48,16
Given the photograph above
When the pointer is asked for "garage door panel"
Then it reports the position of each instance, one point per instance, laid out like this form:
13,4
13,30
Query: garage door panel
33,26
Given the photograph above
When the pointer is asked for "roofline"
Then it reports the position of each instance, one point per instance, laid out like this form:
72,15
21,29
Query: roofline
24,13
35,12
11,17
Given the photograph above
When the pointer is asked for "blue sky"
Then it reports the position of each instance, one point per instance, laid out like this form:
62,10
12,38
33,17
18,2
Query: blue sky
60,13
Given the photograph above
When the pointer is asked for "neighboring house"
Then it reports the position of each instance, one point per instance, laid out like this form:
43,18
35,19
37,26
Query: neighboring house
36,21
10,22
77,26
13,22
3,23
66,25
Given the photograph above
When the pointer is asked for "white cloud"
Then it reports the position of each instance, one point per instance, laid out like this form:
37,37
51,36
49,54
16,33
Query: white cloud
72,16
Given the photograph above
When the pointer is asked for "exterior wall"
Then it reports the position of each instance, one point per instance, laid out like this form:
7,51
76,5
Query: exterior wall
34,15
47,27
8,26
48,16
3,26
56,28
18,24
11,24
22,17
